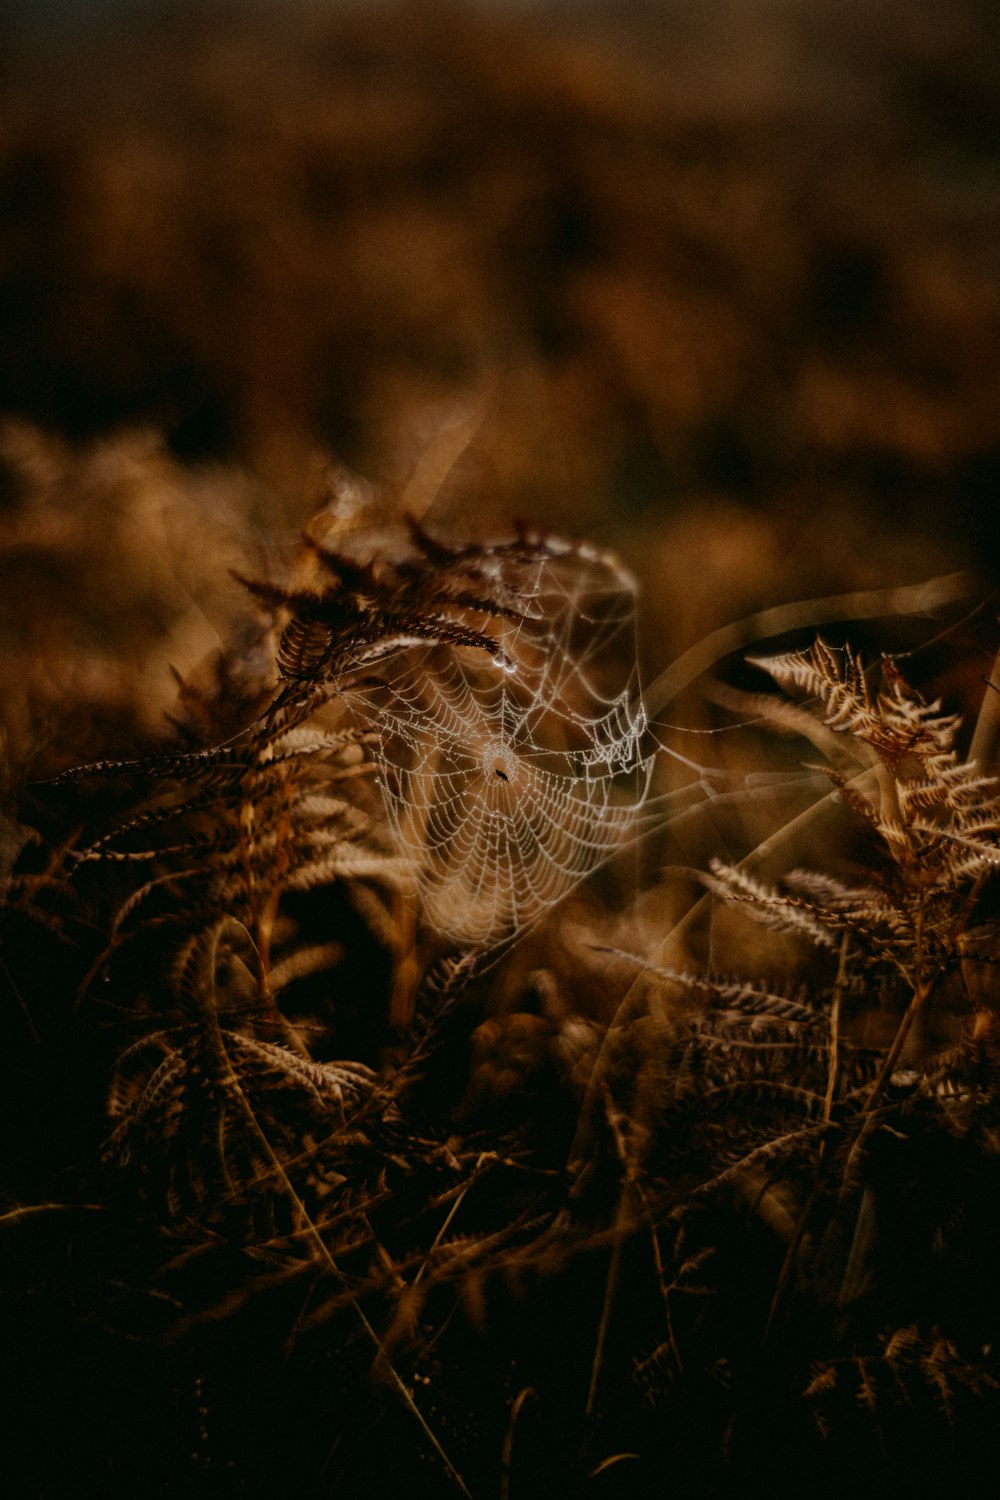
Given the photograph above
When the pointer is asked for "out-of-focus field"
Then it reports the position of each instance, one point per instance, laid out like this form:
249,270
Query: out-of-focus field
717,285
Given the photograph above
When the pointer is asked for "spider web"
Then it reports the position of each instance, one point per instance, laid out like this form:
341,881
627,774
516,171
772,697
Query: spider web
508,780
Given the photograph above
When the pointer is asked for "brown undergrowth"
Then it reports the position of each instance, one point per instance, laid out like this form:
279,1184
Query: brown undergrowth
312,1199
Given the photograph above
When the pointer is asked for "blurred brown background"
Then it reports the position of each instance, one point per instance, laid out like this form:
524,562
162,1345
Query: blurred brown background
717,284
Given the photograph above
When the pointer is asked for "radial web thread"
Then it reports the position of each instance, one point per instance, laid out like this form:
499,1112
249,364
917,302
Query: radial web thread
508,780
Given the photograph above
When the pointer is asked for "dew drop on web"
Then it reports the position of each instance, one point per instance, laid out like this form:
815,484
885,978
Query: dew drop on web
502,803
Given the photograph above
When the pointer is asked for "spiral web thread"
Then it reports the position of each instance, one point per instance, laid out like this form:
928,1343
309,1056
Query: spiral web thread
507,781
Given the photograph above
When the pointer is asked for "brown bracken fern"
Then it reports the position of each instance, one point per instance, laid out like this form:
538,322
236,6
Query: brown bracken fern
475,1227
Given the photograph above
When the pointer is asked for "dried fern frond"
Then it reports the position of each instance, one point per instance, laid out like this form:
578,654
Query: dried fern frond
369,611
780,912
913,1367
836,678
914,739
744,996
192,1125
936,819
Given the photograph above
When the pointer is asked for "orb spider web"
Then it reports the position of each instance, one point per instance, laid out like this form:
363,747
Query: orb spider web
512,766
496,685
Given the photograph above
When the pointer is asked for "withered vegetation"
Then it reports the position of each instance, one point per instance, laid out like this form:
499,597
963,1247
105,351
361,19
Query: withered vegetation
331,1202
690,1182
